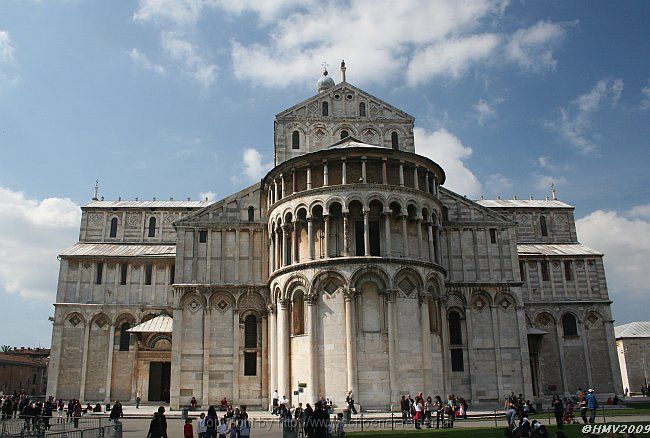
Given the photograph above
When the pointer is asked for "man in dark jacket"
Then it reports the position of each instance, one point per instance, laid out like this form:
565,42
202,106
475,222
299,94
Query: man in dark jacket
158,425
406,409
320,421
116,412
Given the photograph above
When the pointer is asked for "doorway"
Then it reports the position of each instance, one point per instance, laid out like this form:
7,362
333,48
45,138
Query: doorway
533,352
159,380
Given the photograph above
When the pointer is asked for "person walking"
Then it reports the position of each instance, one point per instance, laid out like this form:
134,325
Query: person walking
582,404
158,425
439,406
116,412
558,410
76,414
138,398
349,400
592,405
405,407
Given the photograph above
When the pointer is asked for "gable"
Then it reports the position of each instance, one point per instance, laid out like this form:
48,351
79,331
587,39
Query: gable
462,209
231,209
375,107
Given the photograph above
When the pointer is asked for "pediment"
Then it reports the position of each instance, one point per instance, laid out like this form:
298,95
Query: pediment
375,107
483,213
227,210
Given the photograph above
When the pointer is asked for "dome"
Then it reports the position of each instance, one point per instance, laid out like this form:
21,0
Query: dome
324,82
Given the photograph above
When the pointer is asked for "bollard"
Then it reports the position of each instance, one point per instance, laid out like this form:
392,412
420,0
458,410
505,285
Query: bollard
362,422
549,417
604,419
495,418
392,422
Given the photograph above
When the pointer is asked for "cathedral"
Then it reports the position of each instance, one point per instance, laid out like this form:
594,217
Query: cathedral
348,267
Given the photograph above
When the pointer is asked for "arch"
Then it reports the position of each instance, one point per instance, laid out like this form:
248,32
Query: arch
315,203
251,331
506,295
74,317
193,296
295,139
296,280
333,200
593,317
222,300
367,273
455,299
329,281
124,341
394,140
375,196
409,282
480,299
344,134
542,225
355,197
569,324
125,316
113,230
454,321
298,312
433,281
151,230
251,300
544,318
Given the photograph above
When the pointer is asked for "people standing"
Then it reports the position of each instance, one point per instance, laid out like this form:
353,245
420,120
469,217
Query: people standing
188,430
158,425
320,421
558,410
592,405
451,409
201,429
275,398
138,398
76,414
404,406
417,419
116,412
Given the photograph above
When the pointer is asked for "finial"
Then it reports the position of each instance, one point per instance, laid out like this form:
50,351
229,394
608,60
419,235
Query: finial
325,65
96,190
553,191
343,70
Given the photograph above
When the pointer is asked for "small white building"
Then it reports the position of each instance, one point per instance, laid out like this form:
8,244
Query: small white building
633,346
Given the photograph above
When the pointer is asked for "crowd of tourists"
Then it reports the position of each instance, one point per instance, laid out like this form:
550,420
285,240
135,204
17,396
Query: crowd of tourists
40,414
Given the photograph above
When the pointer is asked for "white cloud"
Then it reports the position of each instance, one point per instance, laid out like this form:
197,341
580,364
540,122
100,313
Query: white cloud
543,181
6,48
176,11
484,111
645,97
199,68
626,245
449,152
639,211
252,167
143,61
533,47
450,58
575,121
209,195
498,183
32,233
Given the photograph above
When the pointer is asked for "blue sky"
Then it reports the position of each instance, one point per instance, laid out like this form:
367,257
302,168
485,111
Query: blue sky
176,98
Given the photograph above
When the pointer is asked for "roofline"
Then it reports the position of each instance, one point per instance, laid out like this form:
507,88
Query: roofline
453,194
341,84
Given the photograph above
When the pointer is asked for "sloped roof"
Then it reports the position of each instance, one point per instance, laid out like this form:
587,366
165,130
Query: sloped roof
523,203
556,249
351,142
159,324
147,204
633,330
119,250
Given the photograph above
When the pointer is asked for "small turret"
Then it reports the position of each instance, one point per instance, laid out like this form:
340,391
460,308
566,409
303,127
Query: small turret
325,82
343,71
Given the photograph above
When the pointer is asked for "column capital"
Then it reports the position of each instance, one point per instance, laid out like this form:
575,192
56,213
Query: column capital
311,299
271,309
391,295
284,303
349,294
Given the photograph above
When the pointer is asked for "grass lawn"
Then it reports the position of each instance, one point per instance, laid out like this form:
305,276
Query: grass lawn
570,430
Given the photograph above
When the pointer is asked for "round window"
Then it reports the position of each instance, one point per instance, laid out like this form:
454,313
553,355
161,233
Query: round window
337,96
349,97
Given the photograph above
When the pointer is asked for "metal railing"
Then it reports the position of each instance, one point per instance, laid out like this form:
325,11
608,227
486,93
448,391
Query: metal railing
86,426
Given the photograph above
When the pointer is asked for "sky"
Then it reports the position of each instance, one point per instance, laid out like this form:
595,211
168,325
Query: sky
176,98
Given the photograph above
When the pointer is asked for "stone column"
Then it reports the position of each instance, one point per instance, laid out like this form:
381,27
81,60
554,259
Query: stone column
497,349
405,237
393,350
309,178
431,247
384,173
401,173
285,230
560,346
283,191
363,170
84,362
351,341
236,372
284,363
54,367
585,348
437,246
344,173
293,182
177,338
265,362
276,249
312,340
416,183
366,234
276,197
294,241
470,353
326,227
418,224
427,354
326,178
426,182
310,238
346,235
444,350
273,349
207,320
388,251
109,365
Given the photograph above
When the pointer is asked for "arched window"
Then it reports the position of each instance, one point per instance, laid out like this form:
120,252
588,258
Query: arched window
113,232
542,224
298,314
125,336
569,325
445,214
394,140
250,332
326,109
362,109
433,316
152,227
295,140
344,134
455,332
251,214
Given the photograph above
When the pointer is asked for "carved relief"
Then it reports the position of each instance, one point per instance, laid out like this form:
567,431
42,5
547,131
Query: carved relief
95,219
133,219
